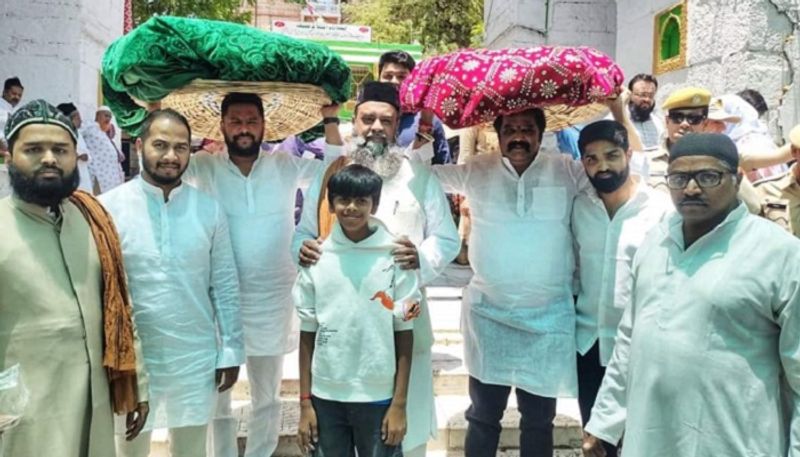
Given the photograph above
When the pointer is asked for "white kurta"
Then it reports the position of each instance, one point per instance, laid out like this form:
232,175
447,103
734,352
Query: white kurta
605,256
260,210
182,278
5,181
429,225
105,165
701,354
83,166
6,110
518,316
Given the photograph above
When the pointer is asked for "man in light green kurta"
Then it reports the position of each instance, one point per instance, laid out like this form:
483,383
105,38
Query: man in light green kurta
51,302
707,357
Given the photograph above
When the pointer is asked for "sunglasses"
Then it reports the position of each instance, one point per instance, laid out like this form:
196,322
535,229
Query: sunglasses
692,119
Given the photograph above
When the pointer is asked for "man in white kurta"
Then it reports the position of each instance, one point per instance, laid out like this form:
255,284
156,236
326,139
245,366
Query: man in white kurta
413,205
707,357
257,192
12,94
609,222
182,276
518,316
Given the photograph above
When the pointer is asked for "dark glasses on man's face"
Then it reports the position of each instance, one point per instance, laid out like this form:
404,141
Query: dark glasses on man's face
691,118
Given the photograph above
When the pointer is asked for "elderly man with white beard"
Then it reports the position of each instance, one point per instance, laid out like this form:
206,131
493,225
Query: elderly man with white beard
414,207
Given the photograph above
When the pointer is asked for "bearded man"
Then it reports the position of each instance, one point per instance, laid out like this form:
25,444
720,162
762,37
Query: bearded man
414,207
643,88
257,192
175,244
65,315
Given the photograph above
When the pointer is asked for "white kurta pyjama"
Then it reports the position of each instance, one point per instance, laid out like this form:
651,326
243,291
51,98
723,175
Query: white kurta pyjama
260,210
606,248
183,282
518,316
707,358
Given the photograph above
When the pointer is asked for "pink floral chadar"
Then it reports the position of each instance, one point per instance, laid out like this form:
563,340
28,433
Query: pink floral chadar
468,87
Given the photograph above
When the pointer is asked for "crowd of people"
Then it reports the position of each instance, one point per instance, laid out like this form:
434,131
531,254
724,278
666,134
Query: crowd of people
100,155
655,277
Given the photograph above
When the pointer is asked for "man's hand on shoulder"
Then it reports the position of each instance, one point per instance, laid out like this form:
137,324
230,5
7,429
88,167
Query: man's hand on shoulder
406,254
310,252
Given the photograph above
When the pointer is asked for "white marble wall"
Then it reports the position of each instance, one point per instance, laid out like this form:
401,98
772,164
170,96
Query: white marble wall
519,23
56,46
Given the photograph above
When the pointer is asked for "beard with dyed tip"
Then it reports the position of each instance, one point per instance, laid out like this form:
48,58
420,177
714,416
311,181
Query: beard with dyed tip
376,153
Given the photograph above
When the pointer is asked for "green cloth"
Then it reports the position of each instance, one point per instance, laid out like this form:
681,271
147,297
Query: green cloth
166,53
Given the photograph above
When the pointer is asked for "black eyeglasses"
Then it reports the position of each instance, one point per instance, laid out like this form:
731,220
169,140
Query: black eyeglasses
704,179
692,119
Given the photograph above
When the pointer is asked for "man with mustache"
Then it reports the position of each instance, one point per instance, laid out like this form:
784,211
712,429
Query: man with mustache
257,192
65,317
518,312
185,291
687,112
643,88
707,355
609,224
394,67
414,208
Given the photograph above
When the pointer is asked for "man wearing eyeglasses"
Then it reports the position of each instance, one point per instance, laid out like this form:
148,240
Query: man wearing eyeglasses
687,112
643,88
707,356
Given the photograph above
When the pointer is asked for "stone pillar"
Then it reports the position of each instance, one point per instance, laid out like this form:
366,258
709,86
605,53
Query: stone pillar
56,47
520,23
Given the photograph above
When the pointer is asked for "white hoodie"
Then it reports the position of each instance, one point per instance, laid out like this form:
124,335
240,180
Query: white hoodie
346,299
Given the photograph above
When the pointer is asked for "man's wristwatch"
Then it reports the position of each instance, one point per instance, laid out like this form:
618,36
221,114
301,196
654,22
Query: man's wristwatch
330,120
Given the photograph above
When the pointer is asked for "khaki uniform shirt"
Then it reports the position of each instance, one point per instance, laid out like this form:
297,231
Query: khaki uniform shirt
780,200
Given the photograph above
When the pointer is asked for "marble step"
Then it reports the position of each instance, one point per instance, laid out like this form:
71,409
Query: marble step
452,429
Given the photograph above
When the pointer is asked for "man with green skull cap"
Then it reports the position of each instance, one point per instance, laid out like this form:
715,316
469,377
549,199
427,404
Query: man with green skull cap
64,312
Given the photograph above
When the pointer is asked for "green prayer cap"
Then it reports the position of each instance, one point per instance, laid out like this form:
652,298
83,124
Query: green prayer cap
38,112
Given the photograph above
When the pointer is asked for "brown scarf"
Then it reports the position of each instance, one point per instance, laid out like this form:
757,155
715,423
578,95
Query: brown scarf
119,357
325,218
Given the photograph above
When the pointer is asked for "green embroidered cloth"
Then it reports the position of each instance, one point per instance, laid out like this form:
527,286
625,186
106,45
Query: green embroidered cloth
166,53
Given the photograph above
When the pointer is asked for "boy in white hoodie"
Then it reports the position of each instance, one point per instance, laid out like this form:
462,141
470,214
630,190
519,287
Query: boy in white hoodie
356,340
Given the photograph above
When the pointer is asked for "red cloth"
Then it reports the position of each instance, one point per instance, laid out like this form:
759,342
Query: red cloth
468,87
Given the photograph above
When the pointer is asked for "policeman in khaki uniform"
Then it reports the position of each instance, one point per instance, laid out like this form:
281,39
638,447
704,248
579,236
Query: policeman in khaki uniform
687,112
780,195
